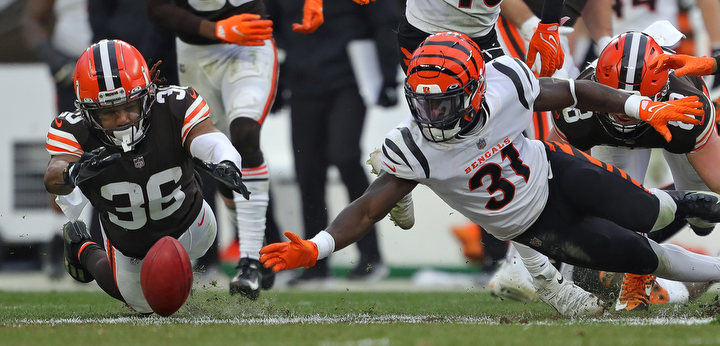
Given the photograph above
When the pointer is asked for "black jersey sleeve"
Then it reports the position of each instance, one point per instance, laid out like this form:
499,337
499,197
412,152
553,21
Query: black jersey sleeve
68,131
184,106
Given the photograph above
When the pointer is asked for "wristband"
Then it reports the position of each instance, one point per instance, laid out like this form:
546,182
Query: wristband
632,105
325,244
527,29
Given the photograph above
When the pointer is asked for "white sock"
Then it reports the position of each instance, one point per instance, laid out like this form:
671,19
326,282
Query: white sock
676,263
536,263
251,213
666,214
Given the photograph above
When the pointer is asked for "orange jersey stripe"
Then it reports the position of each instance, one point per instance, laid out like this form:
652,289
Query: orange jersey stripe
191,127
64,151
194,112
273,87
254,168
65,140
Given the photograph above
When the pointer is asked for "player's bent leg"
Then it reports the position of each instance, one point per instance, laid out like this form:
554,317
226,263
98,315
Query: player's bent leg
563,295
201,234
76,238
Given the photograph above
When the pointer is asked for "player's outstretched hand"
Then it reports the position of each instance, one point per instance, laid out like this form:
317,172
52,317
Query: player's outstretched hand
312,17
657,114
291,254
546,42
90,165
245,29
683,64
225,172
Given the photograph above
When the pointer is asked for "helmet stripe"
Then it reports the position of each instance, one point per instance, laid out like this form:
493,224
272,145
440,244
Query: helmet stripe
632,62
107,69
454,45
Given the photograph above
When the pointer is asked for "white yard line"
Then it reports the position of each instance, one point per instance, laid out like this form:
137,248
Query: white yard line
354,319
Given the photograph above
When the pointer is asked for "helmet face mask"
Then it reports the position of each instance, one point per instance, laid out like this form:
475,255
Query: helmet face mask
623,65
444,86
112,76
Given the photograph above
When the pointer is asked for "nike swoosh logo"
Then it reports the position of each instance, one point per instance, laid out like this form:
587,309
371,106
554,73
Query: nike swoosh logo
388,166
58,123
560,280
620,306
254,285
652,108
235,30
193,93
202,220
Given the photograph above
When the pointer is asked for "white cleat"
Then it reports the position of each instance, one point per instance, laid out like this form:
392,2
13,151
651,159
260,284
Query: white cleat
513,281
566,297
403,214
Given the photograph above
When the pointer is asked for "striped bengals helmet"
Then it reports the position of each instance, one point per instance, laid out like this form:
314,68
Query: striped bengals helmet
623,65
445,85
109,74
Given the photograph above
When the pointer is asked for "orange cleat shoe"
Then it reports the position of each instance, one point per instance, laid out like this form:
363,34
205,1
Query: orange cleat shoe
470,237
635,293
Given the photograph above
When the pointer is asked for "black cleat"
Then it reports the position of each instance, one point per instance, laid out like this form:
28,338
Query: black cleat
699,204
247,280
267,278
75,234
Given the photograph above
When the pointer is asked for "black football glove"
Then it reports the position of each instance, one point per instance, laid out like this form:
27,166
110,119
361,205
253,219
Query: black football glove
388,95
90,164
225,172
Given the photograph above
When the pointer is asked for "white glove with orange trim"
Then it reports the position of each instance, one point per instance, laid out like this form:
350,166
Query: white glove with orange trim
658,114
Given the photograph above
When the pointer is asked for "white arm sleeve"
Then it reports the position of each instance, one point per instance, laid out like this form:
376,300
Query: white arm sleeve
214,147
72,204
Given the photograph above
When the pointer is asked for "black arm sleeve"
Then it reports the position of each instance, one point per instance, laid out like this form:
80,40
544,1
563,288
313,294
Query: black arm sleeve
551,11
385,16
166,14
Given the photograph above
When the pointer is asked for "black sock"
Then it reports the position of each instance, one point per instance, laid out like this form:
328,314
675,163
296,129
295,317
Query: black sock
95,260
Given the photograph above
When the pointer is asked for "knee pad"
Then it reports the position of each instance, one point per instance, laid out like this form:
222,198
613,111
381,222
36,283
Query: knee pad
245,137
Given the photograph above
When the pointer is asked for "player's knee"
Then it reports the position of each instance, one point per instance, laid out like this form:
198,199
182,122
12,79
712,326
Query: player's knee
642,259
245,137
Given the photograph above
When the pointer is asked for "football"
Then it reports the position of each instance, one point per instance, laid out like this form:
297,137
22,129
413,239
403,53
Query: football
166,276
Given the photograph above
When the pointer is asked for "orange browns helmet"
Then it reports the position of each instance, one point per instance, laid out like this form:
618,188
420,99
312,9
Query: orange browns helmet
623,65
445,85
112,73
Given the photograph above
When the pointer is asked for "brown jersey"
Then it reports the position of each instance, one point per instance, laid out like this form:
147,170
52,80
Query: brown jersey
585,130
151,191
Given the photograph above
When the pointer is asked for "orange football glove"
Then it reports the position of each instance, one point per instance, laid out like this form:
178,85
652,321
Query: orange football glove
245,29
683,64
363,2
312,17
546,42
657,114
291,254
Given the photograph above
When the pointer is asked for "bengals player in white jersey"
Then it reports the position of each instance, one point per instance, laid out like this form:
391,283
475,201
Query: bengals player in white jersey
129,147
465,142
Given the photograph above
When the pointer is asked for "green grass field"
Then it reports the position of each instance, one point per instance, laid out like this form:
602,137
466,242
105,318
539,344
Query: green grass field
344,318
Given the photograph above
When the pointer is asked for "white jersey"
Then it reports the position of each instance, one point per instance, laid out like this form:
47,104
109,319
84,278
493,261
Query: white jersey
636,15
71,33
474,18
495,177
